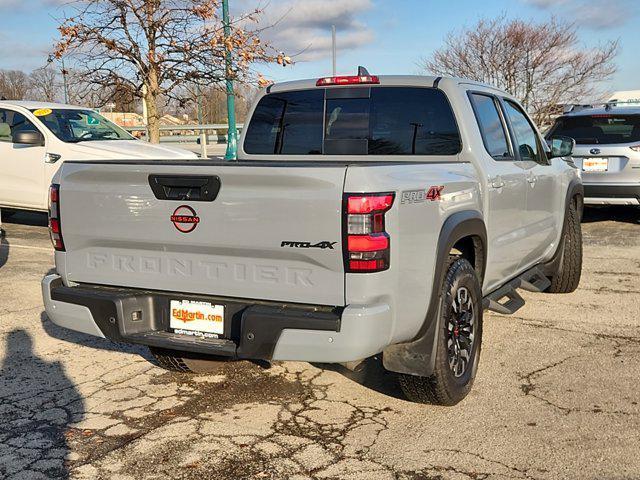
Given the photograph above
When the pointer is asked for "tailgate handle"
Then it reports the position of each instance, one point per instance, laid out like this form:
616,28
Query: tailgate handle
195,188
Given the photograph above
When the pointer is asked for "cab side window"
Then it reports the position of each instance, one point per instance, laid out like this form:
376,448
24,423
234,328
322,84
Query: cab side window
13,122
526,138
491,126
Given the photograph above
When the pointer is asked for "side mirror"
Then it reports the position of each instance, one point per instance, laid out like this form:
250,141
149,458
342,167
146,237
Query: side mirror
561,146
526,152
29,137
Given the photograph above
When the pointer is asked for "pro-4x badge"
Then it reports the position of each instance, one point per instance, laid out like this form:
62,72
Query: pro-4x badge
419,196
321,245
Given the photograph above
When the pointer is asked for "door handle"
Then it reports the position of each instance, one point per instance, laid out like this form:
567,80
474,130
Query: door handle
497,182
185,187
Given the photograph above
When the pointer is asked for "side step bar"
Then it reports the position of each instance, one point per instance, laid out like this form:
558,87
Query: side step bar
506,300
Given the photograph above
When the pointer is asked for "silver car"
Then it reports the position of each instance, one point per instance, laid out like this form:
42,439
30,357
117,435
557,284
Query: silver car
607,151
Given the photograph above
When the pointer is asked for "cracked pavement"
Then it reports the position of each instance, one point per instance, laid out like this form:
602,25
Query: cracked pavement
556,394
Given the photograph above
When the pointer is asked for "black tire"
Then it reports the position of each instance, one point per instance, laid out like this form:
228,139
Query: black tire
185,362
567,277
444,387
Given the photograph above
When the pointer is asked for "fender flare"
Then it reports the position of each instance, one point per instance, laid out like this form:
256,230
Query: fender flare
417,357
574,190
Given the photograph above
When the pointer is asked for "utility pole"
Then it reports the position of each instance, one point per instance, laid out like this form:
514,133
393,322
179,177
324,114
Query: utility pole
203,133
333,48
232,132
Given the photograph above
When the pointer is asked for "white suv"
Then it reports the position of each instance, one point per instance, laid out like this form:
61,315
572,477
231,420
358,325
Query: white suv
35,138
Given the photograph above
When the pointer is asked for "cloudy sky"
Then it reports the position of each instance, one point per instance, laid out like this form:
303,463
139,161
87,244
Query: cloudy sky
388,37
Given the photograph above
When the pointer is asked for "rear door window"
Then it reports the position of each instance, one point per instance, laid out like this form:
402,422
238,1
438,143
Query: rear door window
526,138
602,129
355,121
491,126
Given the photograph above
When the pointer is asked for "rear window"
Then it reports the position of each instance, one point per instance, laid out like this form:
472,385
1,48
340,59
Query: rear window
491,126
354,121
602,129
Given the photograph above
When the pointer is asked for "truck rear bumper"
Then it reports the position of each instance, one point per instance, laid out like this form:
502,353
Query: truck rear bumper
597,194
253,330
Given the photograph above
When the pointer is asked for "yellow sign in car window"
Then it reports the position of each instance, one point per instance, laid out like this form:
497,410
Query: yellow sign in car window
42,112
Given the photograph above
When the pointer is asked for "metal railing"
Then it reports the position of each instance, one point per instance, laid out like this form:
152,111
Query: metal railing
182,128
200,134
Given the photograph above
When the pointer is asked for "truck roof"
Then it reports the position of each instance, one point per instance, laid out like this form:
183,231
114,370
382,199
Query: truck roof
33,105
389,80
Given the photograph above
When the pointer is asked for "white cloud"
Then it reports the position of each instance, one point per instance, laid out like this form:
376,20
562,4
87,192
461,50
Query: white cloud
11,4
547,3
300,27
22,5
595,14
304,26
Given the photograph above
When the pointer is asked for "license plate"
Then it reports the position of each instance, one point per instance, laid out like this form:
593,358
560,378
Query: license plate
595,164
200,319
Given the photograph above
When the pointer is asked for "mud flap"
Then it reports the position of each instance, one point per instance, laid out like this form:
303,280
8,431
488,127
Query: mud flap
417,357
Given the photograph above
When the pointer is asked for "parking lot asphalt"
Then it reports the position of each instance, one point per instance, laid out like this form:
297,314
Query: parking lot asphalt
556,395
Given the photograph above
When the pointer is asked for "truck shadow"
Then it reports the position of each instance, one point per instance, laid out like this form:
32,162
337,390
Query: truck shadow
371,375
90,341
611,214
23,217
39,405
4,251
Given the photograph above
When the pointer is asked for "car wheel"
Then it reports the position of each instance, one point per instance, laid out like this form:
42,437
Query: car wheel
185,362
567,277
459,339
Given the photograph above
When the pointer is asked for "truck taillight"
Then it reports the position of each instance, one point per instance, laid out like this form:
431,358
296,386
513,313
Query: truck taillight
348,80
366,243
55,229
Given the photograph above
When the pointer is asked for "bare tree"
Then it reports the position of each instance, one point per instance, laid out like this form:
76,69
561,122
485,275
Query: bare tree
543,65
45,85
14,84
154,47
214,104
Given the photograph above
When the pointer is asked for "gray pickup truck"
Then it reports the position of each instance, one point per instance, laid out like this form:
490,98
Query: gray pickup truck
365,215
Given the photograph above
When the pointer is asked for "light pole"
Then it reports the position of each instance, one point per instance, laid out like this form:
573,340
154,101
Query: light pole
232,132
333,49
64,71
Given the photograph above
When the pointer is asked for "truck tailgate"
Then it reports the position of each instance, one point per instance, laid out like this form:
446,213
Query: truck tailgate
273,232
